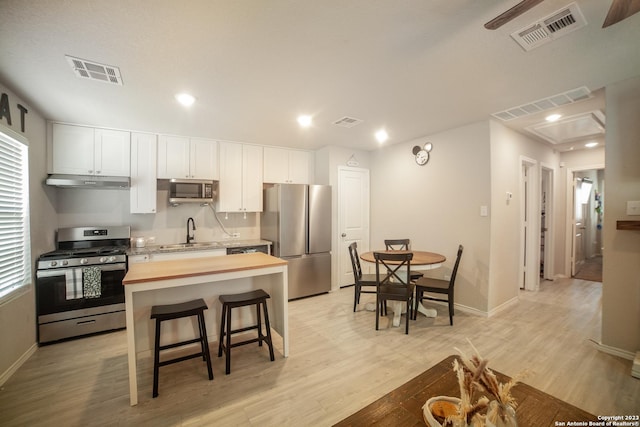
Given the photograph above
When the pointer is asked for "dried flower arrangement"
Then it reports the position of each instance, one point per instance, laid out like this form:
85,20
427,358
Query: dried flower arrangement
473,374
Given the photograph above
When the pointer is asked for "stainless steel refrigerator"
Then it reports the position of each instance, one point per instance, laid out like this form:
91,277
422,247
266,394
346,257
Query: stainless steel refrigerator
297,219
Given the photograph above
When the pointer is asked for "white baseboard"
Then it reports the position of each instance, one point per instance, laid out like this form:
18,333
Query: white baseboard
480,313
470,310
16,365
635,368
614,351
503,306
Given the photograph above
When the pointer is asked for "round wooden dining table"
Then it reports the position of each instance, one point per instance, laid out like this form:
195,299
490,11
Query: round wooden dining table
422,260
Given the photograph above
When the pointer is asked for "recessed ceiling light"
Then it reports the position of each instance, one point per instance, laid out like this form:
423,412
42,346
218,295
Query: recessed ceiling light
382,136
304,120
590,144
185,99
553,117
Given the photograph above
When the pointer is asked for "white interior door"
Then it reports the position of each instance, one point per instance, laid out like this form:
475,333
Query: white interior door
530,226
353,217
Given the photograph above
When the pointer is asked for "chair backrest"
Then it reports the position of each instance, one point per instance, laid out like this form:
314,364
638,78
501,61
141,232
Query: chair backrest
395,266
397,244
355,262
455,266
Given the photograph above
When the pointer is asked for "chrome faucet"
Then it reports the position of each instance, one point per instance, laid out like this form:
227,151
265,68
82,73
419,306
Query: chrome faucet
193,223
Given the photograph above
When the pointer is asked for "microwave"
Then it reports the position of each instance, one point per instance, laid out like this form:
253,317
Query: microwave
191,191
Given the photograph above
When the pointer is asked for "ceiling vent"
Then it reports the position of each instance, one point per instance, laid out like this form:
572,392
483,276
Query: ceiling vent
95,71
558,24
553,101
347,122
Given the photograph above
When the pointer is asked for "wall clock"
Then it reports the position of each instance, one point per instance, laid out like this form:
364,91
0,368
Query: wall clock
422,153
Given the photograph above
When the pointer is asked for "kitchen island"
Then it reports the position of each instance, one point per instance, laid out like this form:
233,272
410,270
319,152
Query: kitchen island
169,282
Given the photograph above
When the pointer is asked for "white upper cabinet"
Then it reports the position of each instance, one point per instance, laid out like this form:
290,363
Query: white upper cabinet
82,150
240,186
143,189
112,152
204,159
190,158
284,166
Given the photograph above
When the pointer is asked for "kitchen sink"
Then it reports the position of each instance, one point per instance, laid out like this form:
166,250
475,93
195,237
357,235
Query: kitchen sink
202,245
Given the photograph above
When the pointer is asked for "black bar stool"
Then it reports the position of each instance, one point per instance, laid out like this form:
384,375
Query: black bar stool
176,311
257,298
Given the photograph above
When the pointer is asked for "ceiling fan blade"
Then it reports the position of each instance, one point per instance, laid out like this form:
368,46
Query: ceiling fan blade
507,16
619,10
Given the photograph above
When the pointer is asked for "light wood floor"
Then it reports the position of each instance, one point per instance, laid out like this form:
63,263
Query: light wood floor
338,364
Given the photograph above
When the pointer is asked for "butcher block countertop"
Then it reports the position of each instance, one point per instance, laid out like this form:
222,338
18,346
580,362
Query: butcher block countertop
175,269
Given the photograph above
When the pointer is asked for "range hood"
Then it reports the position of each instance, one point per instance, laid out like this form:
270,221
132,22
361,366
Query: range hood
88,181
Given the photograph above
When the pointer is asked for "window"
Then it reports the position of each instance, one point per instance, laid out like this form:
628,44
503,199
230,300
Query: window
15,247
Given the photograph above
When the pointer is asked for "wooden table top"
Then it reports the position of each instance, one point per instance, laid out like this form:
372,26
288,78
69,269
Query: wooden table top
419,257
403,406
174,269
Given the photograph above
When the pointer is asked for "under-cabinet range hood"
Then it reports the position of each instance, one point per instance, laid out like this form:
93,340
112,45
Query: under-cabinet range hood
88,181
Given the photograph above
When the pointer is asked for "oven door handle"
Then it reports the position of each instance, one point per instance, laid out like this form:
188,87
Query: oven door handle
63,271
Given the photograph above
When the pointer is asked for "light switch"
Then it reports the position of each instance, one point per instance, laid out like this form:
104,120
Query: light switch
633,207
484,211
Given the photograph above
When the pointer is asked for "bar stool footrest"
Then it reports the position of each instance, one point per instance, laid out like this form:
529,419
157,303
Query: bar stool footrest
179,359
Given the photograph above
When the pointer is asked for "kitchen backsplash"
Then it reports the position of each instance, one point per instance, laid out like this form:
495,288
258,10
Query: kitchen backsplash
80,207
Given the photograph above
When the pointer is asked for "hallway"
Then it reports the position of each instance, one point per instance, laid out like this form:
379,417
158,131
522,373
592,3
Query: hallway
590,269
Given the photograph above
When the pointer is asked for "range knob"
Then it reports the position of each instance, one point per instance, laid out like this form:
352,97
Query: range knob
84,261
103,259
53,263
111,259
65,262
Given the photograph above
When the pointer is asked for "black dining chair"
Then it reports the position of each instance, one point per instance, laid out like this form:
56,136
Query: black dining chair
402,245
393,281
360,280
438,286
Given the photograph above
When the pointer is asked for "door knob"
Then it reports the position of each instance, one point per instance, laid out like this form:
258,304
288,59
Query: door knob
344,234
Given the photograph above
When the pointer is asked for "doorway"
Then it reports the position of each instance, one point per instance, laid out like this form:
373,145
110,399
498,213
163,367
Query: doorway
592,219
547,210
588,216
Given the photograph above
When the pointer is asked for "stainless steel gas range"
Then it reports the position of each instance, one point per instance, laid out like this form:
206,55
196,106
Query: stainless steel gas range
79,287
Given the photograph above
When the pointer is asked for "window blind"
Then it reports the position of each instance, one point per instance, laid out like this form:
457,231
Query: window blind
15,252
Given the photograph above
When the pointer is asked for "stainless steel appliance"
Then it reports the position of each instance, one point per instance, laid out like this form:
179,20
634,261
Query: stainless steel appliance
79,287
88,181
297,219
248,249
190,191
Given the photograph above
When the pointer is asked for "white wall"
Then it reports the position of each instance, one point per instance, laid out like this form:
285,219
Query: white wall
437,205
621,270
17,316
508,149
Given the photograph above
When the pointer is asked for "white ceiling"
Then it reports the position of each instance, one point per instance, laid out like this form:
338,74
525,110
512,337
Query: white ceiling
414,67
